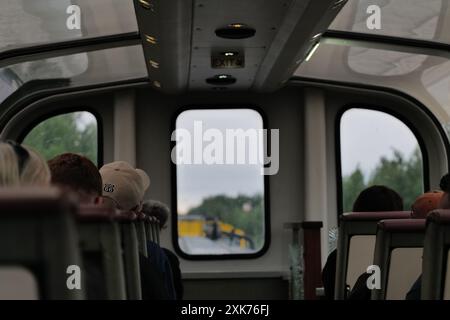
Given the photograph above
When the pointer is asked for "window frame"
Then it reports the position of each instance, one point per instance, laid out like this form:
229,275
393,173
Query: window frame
33,124
338,155
174,191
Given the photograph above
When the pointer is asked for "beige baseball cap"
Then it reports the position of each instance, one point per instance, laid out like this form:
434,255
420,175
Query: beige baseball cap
124,184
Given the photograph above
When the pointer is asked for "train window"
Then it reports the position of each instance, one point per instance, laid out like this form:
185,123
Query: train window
378,149
383,62
79,69
397,18
75,132
220,197
29,23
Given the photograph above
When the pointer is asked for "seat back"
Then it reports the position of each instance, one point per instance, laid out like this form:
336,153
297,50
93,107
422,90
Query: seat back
141,233
127,221
436,262
398,254
356,245
101,245
37,233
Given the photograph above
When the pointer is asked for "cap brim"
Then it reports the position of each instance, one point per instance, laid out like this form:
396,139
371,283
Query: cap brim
145,179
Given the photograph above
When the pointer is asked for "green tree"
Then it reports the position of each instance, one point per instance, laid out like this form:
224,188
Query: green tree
63,133
352,185
398,173
403,175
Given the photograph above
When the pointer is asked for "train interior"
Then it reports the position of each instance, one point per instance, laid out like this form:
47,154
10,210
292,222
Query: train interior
258,122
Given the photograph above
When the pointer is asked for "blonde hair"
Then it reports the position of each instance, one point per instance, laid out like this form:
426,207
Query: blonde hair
35,171
9,168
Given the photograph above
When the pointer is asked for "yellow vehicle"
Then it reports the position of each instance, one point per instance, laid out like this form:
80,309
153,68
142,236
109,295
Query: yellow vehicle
198,226
191,226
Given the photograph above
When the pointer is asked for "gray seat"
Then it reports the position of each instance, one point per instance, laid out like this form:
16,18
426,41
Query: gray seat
100,234
356,245
141,233
127,221
152,229
37,231
436,262
398,253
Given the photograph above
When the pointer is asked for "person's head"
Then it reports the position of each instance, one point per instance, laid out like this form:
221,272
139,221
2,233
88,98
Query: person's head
378,198
445,187
425,203
156,209
124,185
77,173
22,166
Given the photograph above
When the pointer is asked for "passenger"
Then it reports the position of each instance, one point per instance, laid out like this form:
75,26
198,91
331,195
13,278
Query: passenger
372,199
445,187
162,212
425,203
21,166
80,175
432,201
124,187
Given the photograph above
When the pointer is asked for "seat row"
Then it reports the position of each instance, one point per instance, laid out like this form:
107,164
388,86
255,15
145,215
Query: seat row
395,250
45,231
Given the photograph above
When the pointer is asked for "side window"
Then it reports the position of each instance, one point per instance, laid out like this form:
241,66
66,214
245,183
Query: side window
378,149
220,187
75,132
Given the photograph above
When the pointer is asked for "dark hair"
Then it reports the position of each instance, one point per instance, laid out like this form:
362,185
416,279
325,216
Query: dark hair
445,183
378,198
76,172
156,209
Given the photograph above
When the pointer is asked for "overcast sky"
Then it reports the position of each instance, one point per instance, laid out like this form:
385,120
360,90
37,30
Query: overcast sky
367,135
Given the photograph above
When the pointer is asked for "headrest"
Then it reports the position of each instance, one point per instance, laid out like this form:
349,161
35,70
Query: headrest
36,200
375,216
439,216
95,213
403,225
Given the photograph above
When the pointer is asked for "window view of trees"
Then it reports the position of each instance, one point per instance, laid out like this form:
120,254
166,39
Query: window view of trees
71,132
378,149
242,212
400,173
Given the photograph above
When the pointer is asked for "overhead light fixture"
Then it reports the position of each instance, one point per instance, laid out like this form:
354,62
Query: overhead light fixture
151,39
229,54
154,64
311,52
317,36
221,79
235,31
146,4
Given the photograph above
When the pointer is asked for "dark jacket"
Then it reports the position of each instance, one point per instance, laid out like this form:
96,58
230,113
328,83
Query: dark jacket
152,283
176,273
329,275
160,260
415,292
